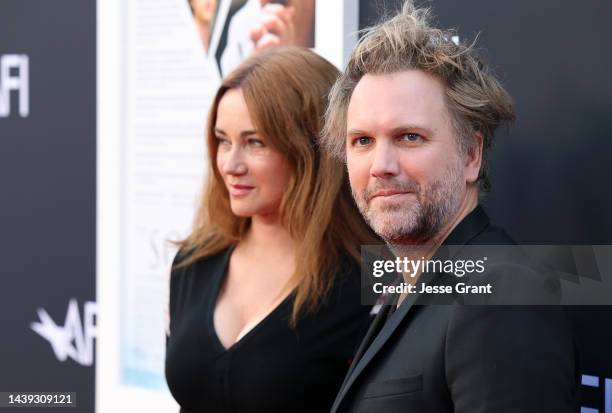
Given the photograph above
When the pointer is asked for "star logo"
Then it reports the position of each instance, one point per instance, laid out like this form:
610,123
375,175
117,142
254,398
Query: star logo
72,340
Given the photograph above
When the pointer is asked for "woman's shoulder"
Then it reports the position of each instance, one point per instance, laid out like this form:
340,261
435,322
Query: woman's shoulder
184,266
341,316
346,288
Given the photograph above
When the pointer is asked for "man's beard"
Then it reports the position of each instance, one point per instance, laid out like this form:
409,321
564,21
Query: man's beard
417,220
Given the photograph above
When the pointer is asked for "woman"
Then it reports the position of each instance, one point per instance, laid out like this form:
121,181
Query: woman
265,310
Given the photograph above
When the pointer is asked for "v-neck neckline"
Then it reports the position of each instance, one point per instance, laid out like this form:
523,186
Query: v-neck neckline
221,276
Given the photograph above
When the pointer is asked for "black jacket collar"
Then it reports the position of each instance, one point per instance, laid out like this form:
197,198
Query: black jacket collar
473,224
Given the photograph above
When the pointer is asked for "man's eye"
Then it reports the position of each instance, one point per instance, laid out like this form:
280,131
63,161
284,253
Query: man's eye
362,141
411,137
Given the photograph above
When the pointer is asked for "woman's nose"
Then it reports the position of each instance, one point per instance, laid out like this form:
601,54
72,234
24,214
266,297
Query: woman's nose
234,163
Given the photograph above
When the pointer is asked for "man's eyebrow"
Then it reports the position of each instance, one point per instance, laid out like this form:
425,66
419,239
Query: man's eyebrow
355,132
396,130
411,127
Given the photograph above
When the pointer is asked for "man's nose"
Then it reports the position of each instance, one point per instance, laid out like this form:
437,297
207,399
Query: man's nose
234,163
385,163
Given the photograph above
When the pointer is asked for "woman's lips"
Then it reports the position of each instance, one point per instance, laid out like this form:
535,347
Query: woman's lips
236,190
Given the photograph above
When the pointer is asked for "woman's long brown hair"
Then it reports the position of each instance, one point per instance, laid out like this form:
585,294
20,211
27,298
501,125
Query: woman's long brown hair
286,90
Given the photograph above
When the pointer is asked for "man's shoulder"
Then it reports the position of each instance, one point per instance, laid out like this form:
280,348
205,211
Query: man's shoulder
492,235
476,229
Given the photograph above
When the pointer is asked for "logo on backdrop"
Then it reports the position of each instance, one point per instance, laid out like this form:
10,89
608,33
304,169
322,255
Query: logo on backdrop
603,383
74,339
14,76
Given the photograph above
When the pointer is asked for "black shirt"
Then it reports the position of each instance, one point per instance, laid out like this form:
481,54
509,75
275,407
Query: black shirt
273,368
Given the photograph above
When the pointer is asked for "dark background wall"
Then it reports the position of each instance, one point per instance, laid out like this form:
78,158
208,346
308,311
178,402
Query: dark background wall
551,170
47,197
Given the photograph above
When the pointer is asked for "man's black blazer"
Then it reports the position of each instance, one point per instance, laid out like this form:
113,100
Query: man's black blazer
456,358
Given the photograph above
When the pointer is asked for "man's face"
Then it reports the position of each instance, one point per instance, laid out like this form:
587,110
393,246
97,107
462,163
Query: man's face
406,172
204,10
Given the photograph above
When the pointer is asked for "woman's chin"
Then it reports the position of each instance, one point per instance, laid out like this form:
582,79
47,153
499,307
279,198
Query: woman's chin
242,212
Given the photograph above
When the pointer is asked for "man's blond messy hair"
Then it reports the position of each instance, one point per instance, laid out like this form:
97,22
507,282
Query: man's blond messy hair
476,100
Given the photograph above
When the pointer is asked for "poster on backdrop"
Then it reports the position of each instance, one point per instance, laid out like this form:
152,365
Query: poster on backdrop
173,57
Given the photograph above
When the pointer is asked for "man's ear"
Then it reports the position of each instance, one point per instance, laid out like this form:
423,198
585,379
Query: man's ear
473,159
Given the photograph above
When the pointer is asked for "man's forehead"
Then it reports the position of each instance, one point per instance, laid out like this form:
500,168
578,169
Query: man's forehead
410,97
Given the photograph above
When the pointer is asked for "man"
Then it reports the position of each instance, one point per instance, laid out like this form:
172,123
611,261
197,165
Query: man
413,116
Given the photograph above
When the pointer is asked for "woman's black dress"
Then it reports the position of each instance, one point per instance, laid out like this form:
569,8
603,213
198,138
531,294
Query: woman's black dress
273,368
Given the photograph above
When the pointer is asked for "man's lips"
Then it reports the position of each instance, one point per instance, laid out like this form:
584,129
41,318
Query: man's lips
239,190
385,193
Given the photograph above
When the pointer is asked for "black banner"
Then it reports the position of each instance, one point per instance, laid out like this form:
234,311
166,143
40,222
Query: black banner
48,197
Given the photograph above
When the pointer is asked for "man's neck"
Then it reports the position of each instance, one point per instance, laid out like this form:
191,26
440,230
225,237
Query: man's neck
426,251
470,201
204,31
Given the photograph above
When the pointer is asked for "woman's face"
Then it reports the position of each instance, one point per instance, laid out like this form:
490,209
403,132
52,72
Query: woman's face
255,174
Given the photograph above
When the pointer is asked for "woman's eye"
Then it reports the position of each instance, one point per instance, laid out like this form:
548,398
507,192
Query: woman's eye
255,142
222,141
362,141
411,137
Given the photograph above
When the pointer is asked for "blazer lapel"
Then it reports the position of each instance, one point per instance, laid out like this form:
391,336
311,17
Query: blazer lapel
373,330
379,333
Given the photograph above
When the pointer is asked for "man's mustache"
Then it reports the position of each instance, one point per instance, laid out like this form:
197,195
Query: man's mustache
390,185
